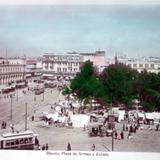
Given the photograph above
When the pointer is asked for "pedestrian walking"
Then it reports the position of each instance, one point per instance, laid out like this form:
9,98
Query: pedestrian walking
123,126
116,134
119,136
33,118
122,135
43,147
157,127
39,147
131,128
46,146
126,127
12,127
68,147
93,147
3,126
36,141
129,135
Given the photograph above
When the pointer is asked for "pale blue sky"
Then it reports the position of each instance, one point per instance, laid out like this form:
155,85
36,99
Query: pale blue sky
79,2
126,29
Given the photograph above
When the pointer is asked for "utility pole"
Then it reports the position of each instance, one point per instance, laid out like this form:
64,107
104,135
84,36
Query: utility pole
26,117
11,107
43,96
17,93
112,140
111,120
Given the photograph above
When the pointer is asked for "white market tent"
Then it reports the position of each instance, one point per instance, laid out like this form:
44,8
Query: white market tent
64,104
79,121
153,115
141,115
121,114
71,97
56,117
58,108
76,104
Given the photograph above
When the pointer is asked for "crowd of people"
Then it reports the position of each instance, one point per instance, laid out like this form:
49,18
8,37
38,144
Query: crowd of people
132,127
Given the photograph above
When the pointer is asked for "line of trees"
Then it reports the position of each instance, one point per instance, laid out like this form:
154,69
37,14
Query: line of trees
117,84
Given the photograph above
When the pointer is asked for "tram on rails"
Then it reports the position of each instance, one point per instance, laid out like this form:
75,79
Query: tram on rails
26,140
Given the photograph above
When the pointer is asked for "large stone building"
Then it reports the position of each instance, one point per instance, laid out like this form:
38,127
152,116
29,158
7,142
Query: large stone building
33,67
69,64
150,64
61,64
11,70
98,59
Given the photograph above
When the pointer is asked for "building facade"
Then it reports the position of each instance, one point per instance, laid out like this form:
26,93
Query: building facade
69,64
150,64
11,70
61,64
33,67
98,59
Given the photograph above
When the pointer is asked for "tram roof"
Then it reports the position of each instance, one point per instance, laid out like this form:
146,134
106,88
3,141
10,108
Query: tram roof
23,134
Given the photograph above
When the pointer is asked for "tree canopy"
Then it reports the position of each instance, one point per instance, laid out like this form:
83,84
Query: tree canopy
117,84
148,88
86,83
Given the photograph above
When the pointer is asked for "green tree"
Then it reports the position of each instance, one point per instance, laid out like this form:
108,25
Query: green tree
118,81
148,87
86,83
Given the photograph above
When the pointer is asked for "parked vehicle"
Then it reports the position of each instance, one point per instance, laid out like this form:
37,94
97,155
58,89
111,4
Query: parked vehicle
99,126
50,84
39,91
95,129
8,90
21,84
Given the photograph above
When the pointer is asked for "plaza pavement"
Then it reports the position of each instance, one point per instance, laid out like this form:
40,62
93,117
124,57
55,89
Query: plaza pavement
57,138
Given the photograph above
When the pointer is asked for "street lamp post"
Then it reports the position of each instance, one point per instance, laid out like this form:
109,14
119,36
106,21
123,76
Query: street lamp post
112,123
112,139
111,120
11,107
43,96
26,117
17,94
34,97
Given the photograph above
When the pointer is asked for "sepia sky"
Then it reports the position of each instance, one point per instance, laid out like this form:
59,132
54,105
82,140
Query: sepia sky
133,30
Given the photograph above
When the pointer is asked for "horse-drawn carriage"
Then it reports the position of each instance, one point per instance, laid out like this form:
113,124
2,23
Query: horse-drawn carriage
99,126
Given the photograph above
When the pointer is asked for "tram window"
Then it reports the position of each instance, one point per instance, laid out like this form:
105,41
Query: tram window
12,143
7,144
26,140
17,141
30,140
1,144
21,141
